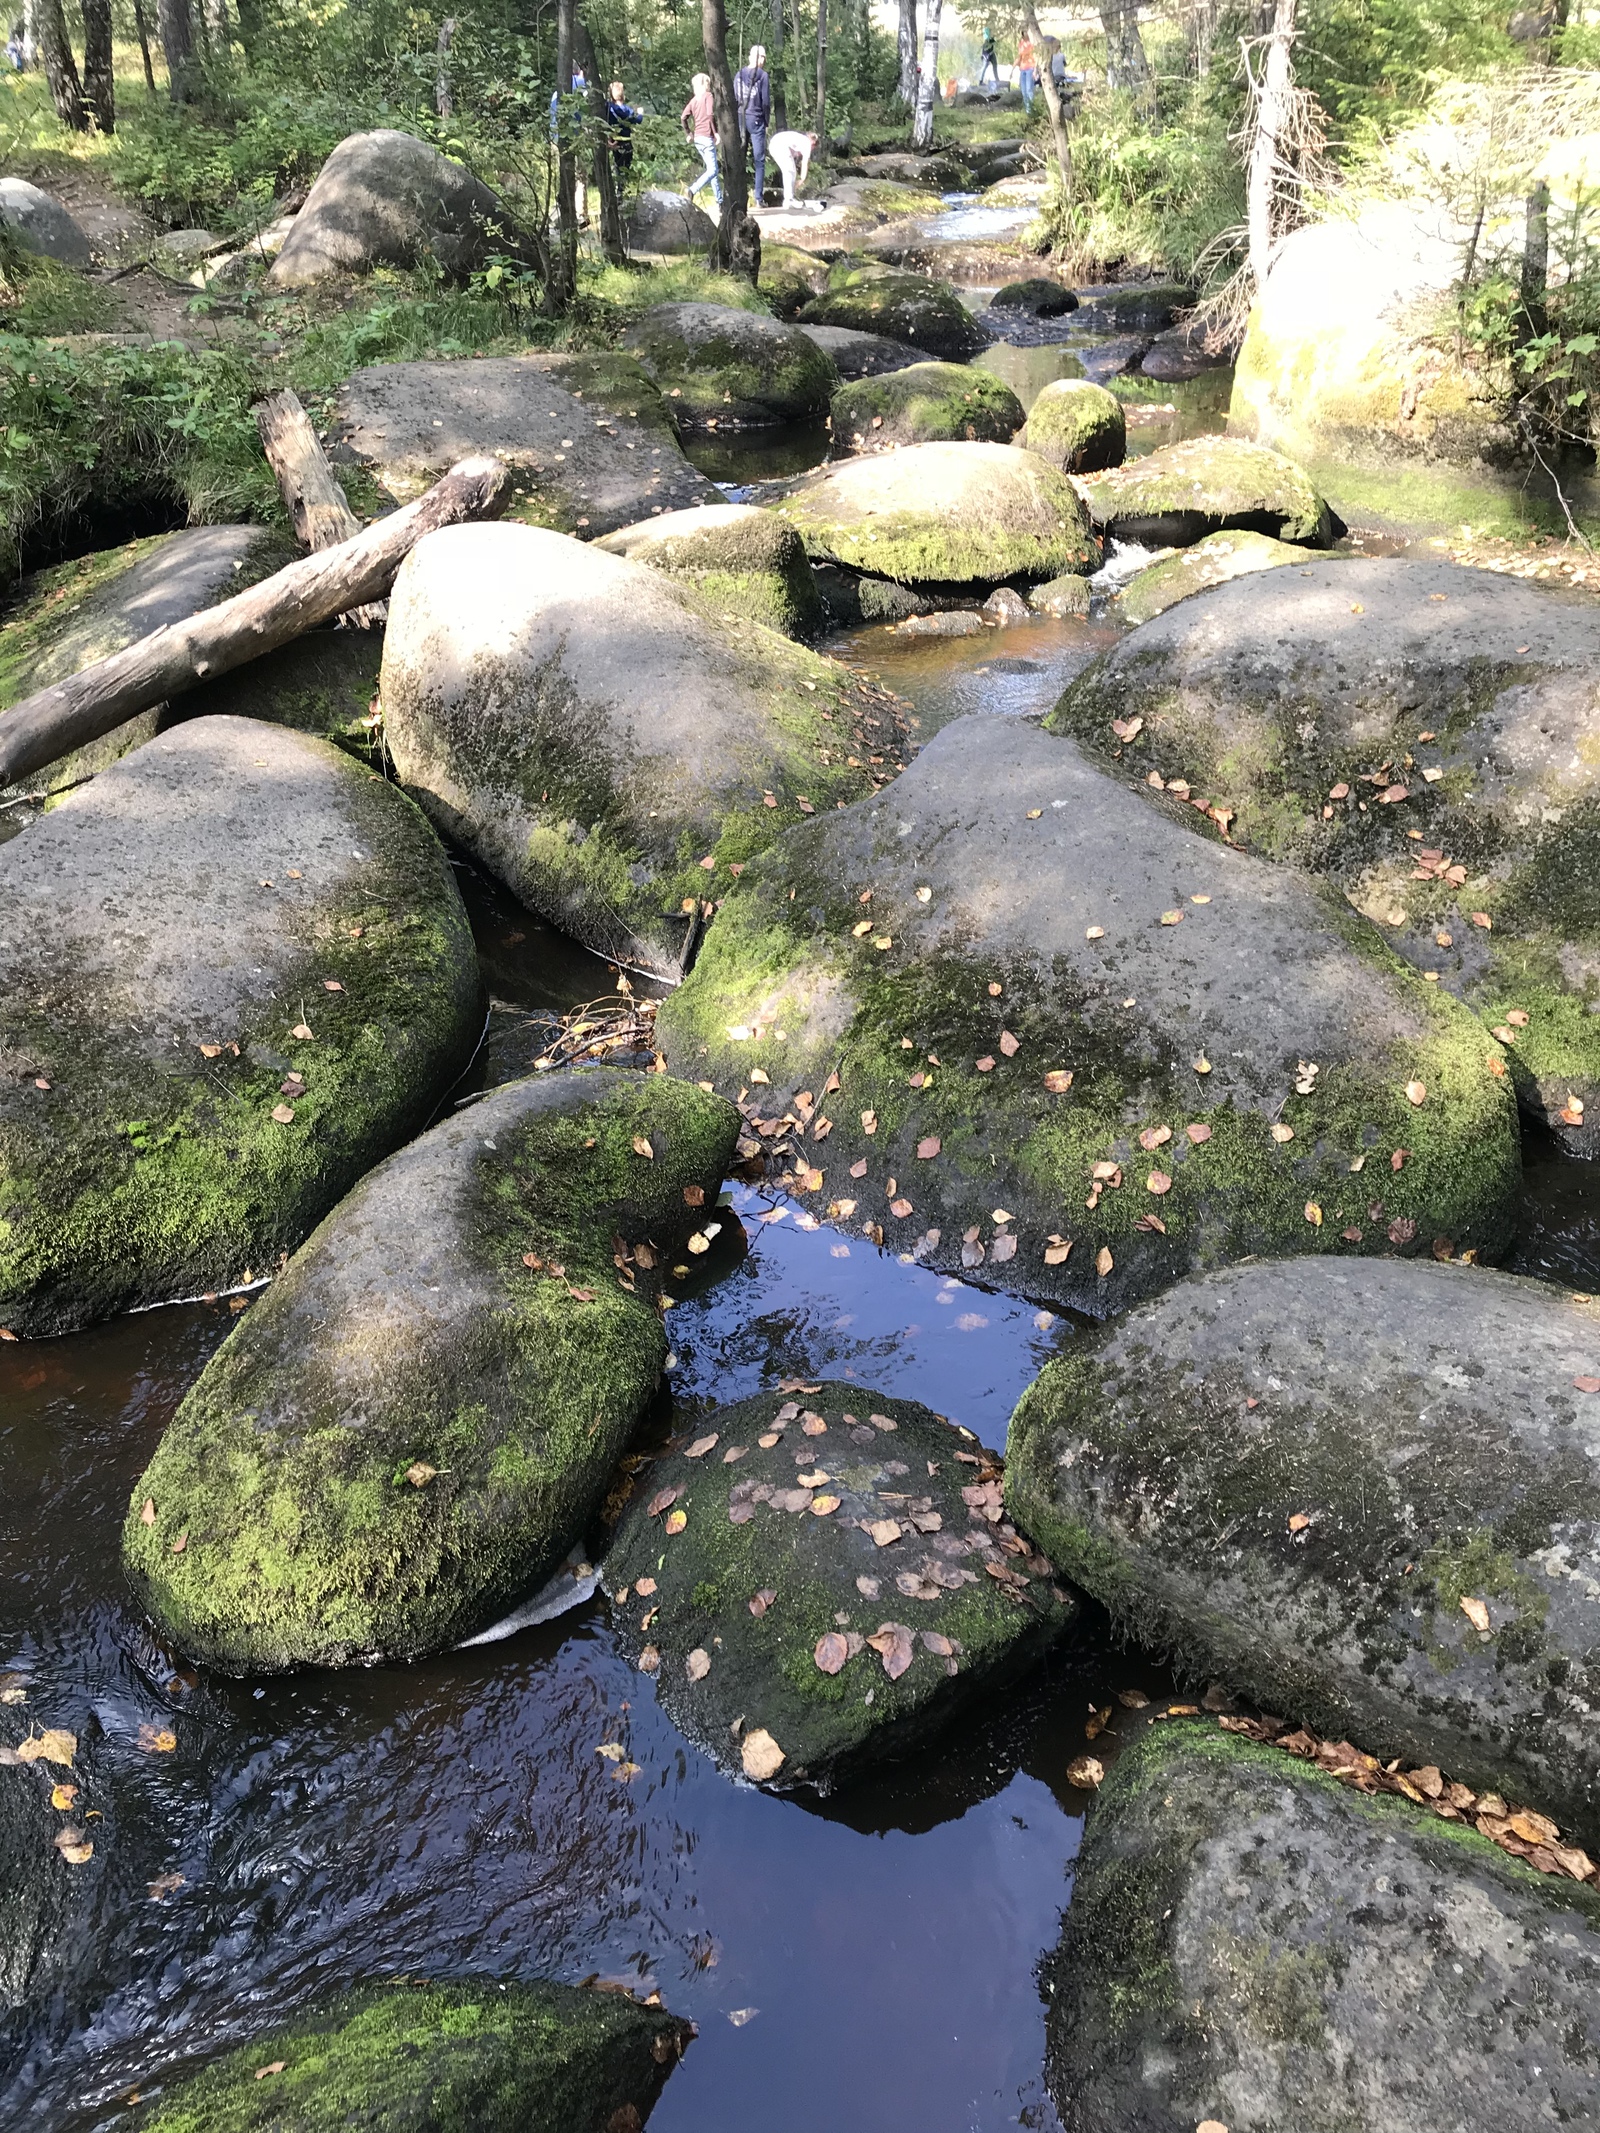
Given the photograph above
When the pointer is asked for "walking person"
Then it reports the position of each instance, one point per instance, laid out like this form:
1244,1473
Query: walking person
792,154
700,126
621,118
1027,74
752,93
990,63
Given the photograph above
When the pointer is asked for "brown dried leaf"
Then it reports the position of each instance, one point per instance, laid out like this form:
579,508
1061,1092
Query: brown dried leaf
831,1652
761,1756
1085,1772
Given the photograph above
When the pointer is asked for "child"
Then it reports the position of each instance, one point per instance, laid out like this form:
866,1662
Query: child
699,126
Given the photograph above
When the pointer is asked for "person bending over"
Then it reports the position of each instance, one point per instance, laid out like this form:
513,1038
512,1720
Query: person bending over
792,154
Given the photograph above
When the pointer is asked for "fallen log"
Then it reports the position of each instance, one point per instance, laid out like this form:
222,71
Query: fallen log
300,597
318,508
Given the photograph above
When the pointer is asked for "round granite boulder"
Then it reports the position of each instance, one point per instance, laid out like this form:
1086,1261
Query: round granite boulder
1178,495
41,224
956,514
789,278
819,1581
388,199
1213,561
1038,297
862,355
927,403
235,970
901,307
737,369
663,221
746,562
419,1418
1078,426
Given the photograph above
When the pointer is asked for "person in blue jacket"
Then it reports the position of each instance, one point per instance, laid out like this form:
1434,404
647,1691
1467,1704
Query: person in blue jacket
752,96
621,118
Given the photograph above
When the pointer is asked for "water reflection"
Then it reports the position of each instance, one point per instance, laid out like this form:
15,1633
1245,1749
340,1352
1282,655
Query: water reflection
1020,671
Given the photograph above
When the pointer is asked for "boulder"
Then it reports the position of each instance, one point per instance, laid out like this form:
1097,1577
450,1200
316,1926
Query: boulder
789,277
1177,495
1100,360
1038,297
926,403
773,1539
593,732
945,513
902,307
66,618
1364,1496
325,683
163,933
662,221
41,224
1060,597
387,199
1250,1944
953,622
588,437
746,562
734,369
425,2057
1213,561
1178,357
862,355
419,1418
850,269
1459,703
46,1897
1065,1003
1140,307
1078,426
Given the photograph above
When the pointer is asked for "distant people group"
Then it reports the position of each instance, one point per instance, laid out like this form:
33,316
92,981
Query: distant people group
752,98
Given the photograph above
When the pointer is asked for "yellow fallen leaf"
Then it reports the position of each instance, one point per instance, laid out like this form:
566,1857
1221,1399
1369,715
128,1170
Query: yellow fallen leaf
157,1740
54,1745
1313,1214
1476,1613
675,1521
761,1756
1282,1133
1103,1261
822,1505
1085,1772
642,1147
62,1796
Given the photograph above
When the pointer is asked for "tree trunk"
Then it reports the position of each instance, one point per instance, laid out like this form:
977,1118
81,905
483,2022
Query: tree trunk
60,68
177,43
928,79
1199,34
1272,112
214,14
318,508
300,597
143,29
821,122
99,83
249,26
1054,103
564,260
1535,261
725,115
1126,64
30,35
906,87
443,101
780,101
605,177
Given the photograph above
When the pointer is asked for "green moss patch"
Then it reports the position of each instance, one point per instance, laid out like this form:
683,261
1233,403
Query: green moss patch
1213,561
1077,426
1185,491
718,366
902,307
924,403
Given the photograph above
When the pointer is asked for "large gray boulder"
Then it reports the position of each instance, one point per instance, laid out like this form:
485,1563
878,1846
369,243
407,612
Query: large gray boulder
862,355
605,741
387,199
587,437
926,403
1251,1945
802,1528
901,307
163,934
663,221
419,1419
1185,491
743,560
729,368
1426,736
1366,1497
1048,995
1216,560
42,224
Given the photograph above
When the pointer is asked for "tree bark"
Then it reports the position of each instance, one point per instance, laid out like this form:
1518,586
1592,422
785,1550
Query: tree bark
905,89
99,83
780,100
928,78
1199,33
60,68
564,260
821,121
1535,261
1272,112
143,29
1054,103
300,597
214,15
605,176
443,101
1126,64
725,115
318,508
176,23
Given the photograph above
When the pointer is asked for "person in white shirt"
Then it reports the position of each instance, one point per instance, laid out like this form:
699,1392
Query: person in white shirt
792,154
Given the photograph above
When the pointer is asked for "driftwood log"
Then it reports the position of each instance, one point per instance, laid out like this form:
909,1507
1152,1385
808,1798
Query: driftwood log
318,509
299,597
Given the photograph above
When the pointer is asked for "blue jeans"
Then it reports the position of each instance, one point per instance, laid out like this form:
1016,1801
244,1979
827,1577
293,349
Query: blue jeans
1025,82
757,137
709,174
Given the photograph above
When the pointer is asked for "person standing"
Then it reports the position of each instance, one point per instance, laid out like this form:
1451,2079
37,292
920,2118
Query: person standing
1027,76
621,118
989,67
699,125
792,154
752,93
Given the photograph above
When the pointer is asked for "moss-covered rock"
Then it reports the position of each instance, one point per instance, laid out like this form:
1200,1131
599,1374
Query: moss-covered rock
953,514
1141,307
1185,491
1342,709
325,683
163,933
1038,296
796,1529
418,1419
926,403
1293,1476
1251,1944
1213,561
747,563
386,198
65,618
862,355
851,269
1063,1001
789,278
1060,597
588,438
595,732
729,367
1078,426
901,307
439,2058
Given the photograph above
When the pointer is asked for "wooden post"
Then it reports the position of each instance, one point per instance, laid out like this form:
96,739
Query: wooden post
317,506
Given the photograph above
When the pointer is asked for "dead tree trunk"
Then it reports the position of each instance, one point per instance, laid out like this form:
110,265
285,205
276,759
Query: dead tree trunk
443,100
317,506
60,68
99,83
304,594
143,29
928,78
730,147
1273,101
906,40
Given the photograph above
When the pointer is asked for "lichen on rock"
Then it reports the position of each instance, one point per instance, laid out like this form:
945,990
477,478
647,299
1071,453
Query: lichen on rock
742,560
900,307
1213,561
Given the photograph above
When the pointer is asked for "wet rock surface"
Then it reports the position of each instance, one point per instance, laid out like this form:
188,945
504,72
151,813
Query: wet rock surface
1362,1495
1184,491
719,365
927,403
1216,560
163,934
902,307
819,1578
1250,1945
48,1875
1039,993
739,558
390,199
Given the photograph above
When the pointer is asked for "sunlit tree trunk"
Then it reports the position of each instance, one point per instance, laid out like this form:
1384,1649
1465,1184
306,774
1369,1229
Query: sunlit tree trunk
1266,151
906,88
99,83
1054,103
60,68
444,101
725,117
1199,34
928,78
1126,64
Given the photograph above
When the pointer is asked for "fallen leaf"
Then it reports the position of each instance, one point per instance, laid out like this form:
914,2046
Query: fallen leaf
1392,793
822,1506
831,1652
1154,1137
884,1531
147,1512
157,1740
1476,1613
1158,1182
1313,1214
1299,1522
1172,918
1587,1384
641,1146
698,1664
1085,1772
54,1745
283,1114
62,1796
1103,1261
1056,1254
273,2066
1202,1065
649,1660
1416,1092
1282,1133
332,985
701,1446
894,1647
1095,933
900,1209
1481,918
986,1063
761,1756
419,1473
163,1886
675,1521
1009,1045
1198,1134
73,1846
928,1148
663,1500
1097,1722
1058,1081
302,1031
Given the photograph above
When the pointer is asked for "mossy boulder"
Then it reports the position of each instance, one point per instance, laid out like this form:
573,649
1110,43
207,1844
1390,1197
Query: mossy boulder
927,403
812,1524
1178,495
789,278
63,619
1216,560
1062,1001
1340,708
1141,307
416,1422
1038,297
953,514
901,307
746,562
1253,1944
595,732
427,2057
862,355
1060,597
388,199
851,269
325,682
163,933
588,438
1078,426
1293,1476
737,369
663,221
